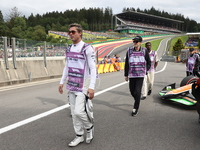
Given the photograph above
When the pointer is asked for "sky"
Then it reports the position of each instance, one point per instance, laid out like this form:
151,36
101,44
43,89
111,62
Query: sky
187,8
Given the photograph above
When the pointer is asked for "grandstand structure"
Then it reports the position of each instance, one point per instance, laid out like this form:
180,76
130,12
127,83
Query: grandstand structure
132,22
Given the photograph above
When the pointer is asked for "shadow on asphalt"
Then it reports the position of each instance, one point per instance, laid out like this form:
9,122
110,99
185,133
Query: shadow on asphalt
113,106
56,102
120,93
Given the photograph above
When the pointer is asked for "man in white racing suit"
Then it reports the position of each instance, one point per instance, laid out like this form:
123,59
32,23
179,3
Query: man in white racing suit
80,69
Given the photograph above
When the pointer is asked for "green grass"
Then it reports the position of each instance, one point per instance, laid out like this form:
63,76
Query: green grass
154,44
184,39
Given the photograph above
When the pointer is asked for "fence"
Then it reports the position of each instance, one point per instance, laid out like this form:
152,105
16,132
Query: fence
17,48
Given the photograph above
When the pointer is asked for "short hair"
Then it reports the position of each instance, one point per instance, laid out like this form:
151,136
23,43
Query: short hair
147,43
78,27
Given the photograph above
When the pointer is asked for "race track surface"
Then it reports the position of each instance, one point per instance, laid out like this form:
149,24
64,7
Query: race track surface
160,124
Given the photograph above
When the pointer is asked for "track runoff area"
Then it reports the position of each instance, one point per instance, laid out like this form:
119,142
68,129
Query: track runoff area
153,115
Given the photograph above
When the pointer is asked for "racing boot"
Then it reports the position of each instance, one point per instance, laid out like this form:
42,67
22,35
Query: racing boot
76,141
90,135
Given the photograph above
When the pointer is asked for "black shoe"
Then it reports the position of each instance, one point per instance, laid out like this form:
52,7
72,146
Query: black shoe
143,97
134,112
149,92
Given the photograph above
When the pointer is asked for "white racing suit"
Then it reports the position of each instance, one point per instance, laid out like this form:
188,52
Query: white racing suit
79,116
82,76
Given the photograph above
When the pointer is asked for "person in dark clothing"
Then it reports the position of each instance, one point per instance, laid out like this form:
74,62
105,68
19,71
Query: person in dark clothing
136,66
196,94
192,63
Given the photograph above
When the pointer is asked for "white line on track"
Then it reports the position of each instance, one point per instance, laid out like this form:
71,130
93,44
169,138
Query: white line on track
34,118
26,121
162,68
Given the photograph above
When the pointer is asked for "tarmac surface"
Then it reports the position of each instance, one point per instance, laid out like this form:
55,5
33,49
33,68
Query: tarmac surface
159,125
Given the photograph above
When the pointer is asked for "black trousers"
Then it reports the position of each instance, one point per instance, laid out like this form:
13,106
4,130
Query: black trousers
135,87
194,73
189,73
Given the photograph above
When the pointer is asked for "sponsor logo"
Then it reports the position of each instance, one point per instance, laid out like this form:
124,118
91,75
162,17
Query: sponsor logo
79,56
75,70
75,75
73,84
73,59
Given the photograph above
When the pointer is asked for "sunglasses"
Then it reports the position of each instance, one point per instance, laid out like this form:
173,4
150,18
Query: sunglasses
135,41
148,45
73,32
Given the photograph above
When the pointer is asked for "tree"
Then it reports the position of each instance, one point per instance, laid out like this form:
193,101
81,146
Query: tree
39,33
186,23
17,32
178,45
29,33
84,25
53,27
14,13
3,27
58,26
49,38
19,28
64,28
48,27
124,9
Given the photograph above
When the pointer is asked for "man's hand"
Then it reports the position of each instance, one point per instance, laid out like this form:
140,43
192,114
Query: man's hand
126,79
60,88
91,93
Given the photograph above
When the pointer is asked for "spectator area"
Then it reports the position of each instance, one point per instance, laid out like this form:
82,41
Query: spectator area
192,42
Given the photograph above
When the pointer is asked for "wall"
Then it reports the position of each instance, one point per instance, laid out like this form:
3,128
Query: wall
32,69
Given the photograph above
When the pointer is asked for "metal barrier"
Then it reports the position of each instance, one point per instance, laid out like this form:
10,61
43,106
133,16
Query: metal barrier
15,48
1,48
5,52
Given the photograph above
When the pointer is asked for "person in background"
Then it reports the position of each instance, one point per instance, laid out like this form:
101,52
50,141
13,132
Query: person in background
119,59
113,59
149,78
109,60
192,63
105,60
80,69
136,66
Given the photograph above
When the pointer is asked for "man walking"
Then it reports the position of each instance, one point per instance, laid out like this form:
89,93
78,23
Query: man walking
149,78
80,68
136,66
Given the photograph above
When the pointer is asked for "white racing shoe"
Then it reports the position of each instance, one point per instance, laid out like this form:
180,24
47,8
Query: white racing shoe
76,141
90,135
